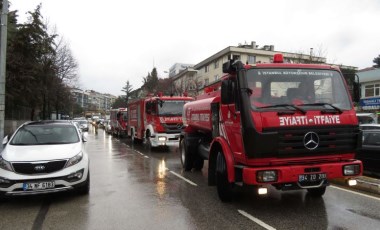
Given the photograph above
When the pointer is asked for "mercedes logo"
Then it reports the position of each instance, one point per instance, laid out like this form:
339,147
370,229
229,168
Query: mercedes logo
311,140
39,168
179,126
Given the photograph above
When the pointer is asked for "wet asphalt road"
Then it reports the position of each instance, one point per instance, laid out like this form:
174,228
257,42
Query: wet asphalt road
134,188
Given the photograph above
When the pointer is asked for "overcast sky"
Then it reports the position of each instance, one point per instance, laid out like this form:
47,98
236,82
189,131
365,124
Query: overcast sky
119,40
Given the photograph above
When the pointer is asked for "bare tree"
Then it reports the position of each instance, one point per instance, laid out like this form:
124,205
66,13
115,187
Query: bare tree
317,55
66,64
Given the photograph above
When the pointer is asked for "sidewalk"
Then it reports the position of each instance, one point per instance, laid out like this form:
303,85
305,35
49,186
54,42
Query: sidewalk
365,183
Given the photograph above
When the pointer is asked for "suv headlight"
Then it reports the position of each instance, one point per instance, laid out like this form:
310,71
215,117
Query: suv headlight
74,160
5,165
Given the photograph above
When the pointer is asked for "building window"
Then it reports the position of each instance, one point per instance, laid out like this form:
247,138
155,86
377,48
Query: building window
206,68
236,57
216,64
372,90
216,77
206,82
251,59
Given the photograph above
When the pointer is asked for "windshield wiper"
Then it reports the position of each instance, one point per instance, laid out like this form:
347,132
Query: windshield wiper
323,104
284,105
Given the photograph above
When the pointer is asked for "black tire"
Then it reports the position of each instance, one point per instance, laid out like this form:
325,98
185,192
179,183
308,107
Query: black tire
316,192
185,155
2,197
85,188
198,162
224,187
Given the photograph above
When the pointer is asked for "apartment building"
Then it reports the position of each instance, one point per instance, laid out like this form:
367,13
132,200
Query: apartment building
369,79
81,97
92,100
187,81
211,69
177,68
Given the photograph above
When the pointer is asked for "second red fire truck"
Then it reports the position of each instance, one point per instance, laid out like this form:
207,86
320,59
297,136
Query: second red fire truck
156,120
292,126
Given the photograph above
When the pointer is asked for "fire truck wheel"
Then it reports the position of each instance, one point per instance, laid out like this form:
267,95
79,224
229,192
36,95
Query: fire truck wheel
132,136
223,186
317,192
186,158
147,140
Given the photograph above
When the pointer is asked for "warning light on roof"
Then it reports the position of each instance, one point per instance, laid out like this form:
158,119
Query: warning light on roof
278,58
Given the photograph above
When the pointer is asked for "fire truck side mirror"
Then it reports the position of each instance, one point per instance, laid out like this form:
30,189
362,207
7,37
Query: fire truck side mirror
226,67
356,89
227,92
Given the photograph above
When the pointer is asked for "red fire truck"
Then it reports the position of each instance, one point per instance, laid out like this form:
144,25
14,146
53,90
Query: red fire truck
118,121
292,126
157,120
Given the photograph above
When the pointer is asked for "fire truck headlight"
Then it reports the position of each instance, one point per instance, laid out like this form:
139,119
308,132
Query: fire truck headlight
351,170
266,176
161,138
352,182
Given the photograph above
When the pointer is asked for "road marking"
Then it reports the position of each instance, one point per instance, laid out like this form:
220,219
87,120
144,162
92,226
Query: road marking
257,221
356,193
183,178
140,153
40,218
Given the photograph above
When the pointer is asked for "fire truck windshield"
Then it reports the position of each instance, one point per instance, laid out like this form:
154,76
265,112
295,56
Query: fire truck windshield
306,88
170,108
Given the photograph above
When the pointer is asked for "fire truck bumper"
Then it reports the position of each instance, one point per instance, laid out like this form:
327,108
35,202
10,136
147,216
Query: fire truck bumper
165,140
302,176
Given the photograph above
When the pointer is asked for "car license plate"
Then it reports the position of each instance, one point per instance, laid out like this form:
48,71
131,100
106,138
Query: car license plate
39,185
311,177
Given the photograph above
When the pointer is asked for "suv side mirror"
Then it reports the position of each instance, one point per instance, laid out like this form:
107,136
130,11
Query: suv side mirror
84,139
5,140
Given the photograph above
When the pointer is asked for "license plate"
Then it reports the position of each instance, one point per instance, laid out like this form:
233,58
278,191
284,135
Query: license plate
38,185
311,177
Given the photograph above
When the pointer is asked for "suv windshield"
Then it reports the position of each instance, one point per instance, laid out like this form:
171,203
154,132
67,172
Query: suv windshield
170,108
308,88
45,134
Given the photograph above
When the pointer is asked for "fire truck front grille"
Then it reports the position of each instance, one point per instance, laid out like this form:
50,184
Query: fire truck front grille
310,141
172,128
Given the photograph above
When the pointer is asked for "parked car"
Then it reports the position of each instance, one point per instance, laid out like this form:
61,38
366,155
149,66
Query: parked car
107,126
369,154
100,123
369,126
367,118
44,157
83,125
77,125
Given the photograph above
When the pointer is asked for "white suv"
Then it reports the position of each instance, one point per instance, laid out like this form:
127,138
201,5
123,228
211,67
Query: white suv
44,157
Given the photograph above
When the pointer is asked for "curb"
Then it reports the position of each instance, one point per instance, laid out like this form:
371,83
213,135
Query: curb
366,184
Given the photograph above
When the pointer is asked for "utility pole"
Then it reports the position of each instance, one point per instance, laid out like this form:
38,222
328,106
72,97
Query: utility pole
3,54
